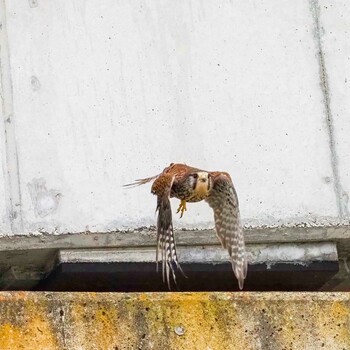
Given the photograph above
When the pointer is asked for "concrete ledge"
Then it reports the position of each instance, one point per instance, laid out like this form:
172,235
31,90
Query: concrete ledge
26,259
301,253
145,237
115,321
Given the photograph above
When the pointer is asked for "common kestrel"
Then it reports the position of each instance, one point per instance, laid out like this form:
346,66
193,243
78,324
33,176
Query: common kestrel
193,185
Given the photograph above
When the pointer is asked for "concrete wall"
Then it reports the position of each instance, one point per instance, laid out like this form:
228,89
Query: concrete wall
186,321
98,93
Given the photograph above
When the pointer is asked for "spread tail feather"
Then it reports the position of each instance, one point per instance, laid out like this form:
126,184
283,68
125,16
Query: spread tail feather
166,242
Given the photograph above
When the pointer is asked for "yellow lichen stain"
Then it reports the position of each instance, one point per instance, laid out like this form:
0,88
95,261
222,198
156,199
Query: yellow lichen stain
216,321
100,326
203,321
341,326
309,324
340,310
13,296
35,334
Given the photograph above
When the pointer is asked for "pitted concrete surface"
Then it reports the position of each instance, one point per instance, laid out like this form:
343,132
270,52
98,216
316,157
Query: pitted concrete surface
216,321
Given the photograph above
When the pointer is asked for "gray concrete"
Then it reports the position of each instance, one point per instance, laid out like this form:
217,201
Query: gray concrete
294,253
24,260
147,238
98,93
335,32
6,186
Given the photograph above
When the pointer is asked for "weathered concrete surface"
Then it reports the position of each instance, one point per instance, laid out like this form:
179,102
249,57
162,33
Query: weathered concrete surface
203,321
6,112
335,46
234,85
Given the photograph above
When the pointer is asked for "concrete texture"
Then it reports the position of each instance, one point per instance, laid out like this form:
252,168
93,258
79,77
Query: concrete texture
6,113
269,254
25,259
335,39
203,321
113,91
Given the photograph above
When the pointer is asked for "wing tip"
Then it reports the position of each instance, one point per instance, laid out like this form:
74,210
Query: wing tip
240,271
240,279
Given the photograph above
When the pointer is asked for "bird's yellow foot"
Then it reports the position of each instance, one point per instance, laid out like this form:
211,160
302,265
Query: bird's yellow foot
182,207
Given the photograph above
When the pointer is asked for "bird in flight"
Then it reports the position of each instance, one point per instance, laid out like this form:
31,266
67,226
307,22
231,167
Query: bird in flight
191,184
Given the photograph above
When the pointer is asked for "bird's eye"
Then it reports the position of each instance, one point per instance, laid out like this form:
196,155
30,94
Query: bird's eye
195,176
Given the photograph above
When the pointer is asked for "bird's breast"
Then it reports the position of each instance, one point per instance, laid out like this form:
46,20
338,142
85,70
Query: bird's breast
199,193
188,194
201,189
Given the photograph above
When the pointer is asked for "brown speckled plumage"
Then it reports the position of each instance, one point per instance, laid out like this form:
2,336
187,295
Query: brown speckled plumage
192,185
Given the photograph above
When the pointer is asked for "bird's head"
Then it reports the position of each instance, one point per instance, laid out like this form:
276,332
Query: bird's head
201,182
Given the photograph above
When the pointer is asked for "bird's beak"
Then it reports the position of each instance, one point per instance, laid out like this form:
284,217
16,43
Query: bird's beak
203,178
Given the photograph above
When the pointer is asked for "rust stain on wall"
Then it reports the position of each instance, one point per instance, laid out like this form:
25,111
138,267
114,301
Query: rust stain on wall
206,321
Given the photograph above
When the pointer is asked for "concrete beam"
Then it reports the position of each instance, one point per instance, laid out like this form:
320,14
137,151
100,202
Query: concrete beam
269,254
220,321
145,237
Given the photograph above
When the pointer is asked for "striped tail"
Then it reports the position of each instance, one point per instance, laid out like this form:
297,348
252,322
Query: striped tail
166,241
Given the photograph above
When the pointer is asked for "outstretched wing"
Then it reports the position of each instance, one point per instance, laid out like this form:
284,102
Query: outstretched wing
223,200
165,233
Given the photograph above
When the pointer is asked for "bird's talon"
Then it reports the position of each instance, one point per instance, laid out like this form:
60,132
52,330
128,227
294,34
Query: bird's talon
182,208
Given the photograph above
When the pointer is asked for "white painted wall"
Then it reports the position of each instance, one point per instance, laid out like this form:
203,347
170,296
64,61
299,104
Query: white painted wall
105,92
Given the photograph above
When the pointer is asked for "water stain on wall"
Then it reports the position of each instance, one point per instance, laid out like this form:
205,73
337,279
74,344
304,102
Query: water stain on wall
45,201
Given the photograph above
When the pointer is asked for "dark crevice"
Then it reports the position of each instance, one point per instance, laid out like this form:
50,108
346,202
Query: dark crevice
142,277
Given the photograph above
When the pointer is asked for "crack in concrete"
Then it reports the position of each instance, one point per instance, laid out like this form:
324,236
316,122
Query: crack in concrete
11,172
341,196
